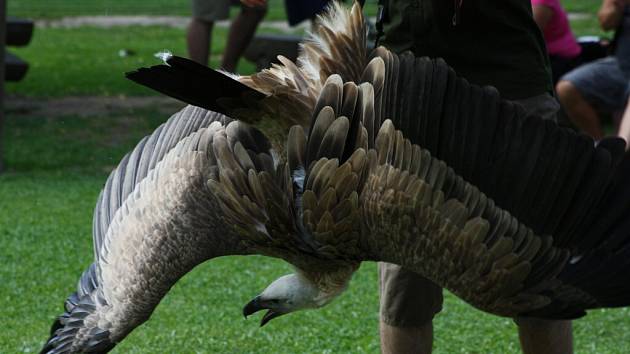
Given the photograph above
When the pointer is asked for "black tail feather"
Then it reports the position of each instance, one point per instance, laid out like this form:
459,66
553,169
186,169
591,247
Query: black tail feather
195,84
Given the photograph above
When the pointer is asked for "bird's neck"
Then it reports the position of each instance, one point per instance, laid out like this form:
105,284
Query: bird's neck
330,283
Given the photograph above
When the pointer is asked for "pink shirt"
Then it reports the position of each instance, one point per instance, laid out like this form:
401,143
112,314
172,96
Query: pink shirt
558,35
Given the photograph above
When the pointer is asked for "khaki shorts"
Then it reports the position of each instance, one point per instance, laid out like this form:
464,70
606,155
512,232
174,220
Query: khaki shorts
411,300
211,10
214,10
407,299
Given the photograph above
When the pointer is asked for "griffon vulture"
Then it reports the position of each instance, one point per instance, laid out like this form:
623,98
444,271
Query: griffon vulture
390,158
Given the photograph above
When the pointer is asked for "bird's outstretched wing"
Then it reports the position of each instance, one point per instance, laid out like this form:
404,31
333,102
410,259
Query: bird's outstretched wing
419,213
551,179
195,189
394,202
449,231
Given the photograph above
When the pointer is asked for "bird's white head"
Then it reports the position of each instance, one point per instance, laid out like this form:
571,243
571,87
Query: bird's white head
289,293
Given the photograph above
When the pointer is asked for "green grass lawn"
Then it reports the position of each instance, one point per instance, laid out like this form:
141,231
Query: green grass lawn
57,166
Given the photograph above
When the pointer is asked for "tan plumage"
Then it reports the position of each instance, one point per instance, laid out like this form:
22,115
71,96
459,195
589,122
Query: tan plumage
355,185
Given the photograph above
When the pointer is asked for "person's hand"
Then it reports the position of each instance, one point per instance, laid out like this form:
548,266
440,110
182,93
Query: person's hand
254,3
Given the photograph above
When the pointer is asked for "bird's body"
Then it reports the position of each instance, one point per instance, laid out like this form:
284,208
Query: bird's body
537,233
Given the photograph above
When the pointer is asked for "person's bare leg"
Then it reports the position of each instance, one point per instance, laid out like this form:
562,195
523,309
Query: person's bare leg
412,340
579,111
624,127
241,32
545,336
198,38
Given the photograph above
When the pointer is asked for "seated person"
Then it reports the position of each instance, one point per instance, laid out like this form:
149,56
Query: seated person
600,86
564,51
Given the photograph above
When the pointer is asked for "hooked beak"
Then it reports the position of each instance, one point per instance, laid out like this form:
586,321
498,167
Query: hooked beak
252,307
255,305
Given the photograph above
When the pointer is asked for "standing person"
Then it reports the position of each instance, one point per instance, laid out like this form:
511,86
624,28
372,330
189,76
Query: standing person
564,50
600,86
206,13
489,43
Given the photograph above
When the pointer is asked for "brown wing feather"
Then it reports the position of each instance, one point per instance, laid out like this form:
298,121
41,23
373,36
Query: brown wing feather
408,221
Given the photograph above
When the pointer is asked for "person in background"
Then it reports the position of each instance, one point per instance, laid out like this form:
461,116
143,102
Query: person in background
204,15
487,42
600,87
564,51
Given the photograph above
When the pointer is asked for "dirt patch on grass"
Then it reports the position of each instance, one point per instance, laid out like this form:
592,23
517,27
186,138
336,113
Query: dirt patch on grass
89,106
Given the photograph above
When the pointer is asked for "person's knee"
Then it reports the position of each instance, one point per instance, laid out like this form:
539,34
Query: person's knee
411,324
567,92
201,23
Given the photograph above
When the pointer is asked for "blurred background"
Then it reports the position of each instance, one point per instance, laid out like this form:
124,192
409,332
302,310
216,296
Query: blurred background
68,122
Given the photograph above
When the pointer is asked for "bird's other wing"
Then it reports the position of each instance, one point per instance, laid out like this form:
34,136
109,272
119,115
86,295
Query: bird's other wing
170,202
550,178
